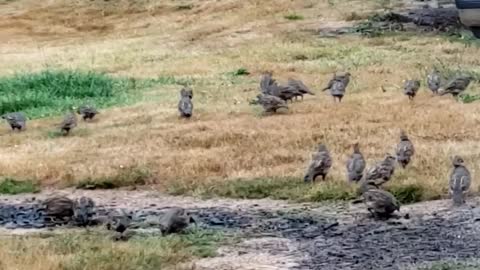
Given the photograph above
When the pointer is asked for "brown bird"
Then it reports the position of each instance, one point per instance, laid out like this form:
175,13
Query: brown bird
382,171
460,180
58,209
16,120
355,165
434,81
185,105
411,88
457,85
300,88
69,122
83,211
338,85
271,103
405,150
366,185
320,164
175,220
380,203
266,83
87,112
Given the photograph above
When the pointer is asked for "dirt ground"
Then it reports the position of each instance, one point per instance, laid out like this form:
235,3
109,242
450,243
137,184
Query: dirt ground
279,235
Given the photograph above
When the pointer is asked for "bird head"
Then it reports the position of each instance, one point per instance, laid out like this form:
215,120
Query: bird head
389,157
356,147
403,135
186,92
322,147
457,161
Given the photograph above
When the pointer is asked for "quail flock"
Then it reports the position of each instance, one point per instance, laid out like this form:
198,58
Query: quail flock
273,97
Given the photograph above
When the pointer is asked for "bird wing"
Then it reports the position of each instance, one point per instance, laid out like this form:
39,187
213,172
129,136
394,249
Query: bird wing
330,84
300,86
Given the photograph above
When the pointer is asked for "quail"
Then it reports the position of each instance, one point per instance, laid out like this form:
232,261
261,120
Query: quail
175,220
271,103
355,164
83,211
267,83
87,112
300,88
433,81
381,172
320,164
69,122
185,105
338,85
366,185
457,85
405,150
460,180
411,88
380,203
16,120
58,209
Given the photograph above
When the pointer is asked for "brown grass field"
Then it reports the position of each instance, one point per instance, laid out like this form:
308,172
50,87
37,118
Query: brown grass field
227,139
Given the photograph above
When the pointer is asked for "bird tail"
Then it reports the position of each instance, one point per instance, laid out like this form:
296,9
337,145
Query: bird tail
357,201
458,198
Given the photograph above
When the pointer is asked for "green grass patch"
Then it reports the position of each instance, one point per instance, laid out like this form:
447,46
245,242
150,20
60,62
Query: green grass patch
279,188
239,72
54,91
95,250
131,176
407,194
294,17
12,186
467,98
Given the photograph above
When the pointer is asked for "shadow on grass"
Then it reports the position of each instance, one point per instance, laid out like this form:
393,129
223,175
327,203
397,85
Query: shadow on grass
131,176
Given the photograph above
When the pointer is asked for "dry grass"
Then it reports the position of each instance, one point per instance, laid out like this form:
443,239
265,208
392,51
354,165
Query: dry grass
95,250
227,139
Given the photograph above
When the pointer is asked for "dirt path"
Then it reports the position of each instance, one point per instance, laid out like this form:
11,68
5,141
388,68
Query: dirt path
278,235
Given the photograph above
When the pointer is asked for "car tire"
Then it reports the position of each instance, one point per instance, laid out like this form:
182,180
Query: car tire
476,31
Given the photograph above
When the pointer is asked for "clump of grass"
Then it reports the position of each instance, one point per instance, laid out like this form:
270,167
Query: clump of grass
95,250
184,7
240,72
278,188
407,194
467,98
12,186
53,91
132,176
294,17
